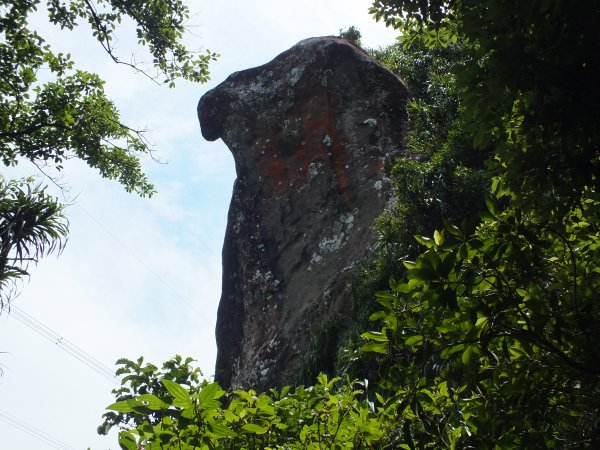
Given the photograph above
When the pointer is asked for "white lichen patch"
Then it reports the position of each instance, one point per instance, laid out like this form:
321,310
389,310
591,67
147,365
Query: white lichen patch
327,140
313,169
295,75
378,185
238,222
335,241
315,259
370,122
348,220
264,279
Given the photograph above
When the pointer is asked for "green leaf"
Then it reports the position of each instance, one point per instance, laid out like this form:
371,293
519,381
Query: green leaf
122,407
438,237
152,402
127,441
451,228
492,206
466,356
409,264
449,351
414,340
377,347
180,394
256,429
402,288
375,336
219,430
284,391
424,240
265,407
425,274
210,392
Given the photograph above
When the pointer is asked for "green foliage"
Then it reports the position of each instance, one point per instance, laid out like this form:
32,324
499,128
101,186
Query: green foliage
70,116
145,388
158,412
505,312
527,85
351,34
65,113
502,308
32,225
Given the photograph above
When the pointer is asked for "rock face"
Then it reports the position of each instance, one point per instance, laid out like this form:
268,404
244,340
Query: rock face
311,133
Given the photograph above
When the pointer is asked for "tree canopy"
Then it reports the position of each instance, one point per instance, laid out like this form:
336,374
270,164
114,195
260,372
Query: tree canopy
50,111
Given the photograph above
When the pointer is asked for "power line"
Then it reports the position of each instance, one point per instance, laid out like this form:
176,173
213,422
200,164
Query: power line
143,263
33,431
63,343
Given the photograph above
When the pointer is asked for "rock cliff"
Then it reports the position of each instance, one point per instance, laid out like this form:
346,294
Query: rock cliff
311,133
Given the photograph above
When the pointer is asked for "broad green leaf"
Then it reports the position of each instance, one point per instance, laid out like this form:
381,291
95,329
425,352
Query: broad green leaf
492,206
188,412
210,392
402,288
180,394
451,228
375,336
425,274
438,237
409,264
122,407
443,388
127,441
256,429
219,430
424,240
152,402
384,295
414,340
448,351
377,347
266,409
284,391
466,356
230,416
517,352
246,396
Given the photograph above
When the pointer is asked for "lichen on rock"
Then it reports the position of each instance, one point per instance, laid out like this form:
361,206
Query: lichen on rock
311,133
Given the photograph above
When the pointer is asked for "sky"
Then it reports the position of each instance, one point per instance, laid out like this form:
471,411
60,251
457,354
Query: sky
141,276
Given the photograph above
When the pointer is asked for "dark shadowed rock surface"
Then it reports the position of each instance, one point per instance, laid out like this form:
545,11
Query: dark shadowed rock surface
311,133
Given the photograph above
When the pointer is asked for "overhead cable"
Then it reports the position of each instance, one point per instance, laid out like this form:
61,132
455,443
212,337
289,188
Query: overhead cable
33,431
63,343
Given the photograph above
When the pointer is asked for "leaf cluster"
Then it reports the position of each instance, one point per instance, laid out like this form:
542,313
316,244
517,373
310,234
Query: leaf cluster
501,307
506,312
192,415
51,112
32,224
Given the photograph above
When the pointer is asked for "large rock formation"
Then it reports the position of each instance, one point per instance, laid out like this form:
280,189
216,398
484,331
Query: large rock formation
311,133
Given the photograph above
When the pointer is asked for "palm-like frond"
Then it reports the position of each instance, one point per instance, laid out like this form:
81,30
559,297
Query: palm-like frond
32,225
